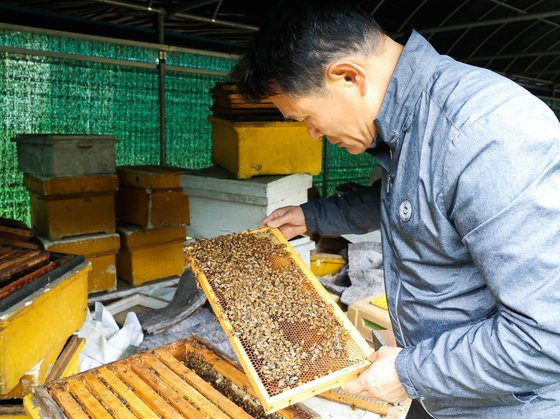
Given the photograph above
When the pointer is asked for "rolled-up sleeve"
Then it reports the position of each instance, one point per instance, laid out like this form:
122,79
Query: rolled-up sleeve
503,195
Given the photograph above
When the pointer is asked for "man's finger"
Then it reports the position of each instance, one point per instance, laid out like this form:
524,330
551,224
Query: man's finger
373,357
354,387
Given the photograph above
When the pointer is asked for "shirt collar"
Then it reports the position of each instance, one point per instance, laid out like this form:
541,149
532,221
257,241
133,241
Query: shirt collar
412,73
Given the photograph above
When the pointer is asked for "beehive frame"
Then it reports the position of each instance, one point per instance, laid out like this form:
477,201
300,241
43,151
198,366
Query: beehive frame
335,379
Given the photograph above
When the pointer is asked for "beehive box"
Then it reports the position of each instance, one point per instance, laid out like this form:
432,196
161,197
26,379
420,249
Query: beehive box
35,323
151,196
185,379
367,317
220,204
147,255
249,149
99,249
66,155
291,339
63,207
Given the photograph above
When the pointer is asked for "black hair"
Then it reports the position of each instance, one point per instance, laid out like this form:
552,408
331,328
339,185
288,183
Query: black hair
293,48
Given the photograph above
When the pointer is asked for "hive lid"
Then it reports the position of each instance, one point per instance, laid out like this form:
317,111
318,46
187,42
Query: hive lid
50,139
149,176
258,190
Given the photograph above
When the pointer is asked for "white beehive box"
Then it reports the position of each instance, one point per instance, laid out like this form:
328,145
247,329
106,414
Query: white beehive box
303,245
220,204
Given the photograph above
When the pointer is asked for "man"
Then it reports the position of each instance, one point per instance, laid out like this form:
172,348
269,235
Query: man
468,206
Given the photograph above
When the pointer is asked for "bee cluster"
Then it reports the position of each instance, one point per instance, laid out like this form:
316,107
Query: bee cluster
290,334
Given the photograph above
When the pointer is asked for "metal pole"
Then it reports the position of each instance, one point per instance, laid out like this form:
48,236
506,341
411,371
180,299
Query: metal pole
161,79
325,167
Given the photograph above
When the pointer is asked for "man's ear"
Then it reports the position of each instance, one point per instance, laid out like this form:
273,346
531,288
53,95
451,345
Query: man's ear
347,73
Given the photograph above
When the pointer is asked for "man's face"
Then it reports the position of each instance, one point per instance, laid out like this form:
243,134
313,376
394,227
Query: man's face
338,114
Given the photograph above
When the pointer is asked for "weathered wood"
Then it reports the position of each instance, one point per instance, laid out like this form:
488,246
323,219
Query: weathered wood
48,405
144,391
15,227
87,400
23,264
136,405
109,400
355,402
23,281
174,398
202,386
18,243
67,402
64,358
192,395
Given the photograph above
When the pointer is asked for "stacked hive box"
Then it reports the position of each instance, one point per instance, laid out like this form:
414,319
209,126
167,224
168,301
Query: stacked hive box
268,164
152,210
72,183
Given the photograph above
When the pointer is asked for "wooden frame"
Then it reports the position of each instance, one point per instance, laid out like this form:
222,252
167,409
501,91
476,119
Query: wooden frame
148,385
311,388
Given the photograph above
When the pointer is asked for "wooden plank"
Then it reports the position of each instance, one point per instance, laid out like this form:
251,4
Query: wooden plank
87,400
23,264
144,391
355,402
46,403
67,402
18,231
172,379
109,400
176,400
19,243
136,405
24,280
202,386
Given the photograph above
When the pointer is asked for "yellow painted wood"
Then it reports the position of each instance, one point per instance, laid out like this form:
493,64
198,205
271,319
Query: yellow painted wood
147,393
175,399
152,177
247,149
147,255
356,402
67,402
60,216
314,387
136,405
99,249
152,208
193,395
109,400
70,185
324,264
202,386
363,310
40,325
91,405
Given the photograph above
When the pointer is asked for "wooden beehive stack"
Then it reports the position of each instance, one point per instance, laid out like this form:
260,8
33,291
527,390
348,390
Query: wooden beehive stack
291,339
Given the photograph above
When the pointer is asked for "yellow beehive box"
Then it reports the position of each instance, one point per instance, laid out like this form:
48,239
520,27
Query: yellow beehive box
367,316
99,249
147,255
151,196
34,330
62,207
248,149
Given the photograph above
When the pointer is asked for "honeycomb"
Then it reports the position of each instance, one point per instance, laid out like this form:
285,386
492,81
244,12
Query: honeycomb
290,334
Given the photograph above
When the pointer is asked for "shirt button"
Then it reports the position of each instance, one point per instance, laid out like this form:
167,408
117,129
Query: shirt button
405,210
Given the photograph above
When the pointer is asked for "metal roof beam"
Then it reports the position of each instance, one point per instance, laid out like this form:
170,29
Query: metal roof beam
490,22
189,6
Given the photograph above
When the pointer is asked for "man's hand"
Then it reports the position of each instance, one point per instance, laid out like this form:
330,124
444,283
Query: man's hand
380,381
290,221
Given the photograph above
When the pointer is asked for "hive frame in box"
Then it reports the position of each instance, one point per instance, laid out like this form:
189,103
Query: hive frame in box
313,387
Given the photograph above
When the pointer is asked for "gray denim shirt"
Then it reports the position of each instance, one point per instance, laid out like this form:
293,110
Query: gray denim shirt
469,211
